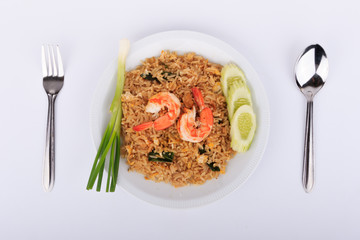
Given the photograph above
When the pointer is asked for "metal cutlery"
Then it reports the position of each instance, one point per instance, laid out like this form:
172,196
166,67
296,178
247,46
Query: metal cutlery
53,81
311,71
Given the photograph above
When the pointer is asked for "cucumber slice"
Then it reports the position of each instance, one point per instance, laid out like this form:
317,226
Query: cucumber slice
238,95
231,73
243,128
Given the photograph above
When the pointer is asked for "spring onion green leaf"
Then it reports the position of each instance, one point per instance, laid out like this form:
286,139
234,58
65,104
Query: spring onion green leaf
111,138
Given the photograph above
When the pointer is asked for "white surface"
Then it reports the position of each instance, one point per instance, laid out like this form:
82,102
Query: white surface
271,205
237,171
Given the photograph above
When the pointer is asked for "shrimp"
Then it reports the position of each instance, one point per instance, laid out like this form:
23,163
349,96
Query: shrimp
156,103
187,127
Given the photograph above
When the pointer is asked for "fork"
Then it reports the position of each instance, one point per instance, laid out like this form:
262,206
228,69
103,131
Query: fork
53,81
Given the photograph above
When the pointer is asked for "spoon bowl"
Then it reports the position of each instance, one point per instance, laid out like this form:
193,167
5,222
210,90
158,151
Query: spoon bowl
311,72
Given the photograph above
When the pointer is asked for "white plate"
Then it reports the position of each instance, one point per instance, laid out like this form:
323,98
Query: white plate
239,168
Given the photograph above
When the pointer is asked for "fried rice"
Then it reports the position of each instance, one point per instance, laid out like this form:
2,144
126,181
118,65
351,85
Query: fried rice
193,163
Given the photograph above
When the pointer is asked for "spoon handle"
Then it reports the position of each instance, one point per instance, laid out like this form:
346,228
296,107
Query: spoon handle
308,162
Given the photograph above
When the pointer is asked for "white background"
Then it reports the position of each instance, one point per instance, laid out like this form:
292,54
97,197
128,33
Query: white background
270,205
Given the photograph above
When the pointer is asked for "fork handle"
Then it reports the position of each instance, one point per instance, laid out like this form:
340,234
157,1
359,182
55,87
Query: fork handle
49,161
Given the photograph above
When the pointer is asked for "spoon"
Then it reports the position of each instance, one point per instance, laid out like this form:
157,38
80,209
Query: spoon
311,71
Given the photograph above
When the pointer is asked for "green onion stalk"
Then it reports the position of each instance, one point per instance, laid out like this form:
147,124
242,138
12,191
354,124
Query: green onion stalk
111,138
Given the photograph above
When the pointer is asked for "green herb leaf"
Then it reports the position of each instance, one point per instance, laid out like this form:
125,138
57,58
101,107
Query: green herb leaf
168,155
213,168
169,74
156,157
202,150
149,76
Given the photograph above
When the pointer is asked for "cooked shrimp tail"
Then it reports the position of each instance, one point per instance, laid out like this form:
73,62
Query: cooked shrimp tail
163,122
198,98
143,126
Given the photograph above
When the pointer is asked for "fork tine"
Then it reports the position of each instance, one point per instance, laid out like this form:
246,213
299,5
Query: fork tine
59,61
49,61
53,61
43,61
